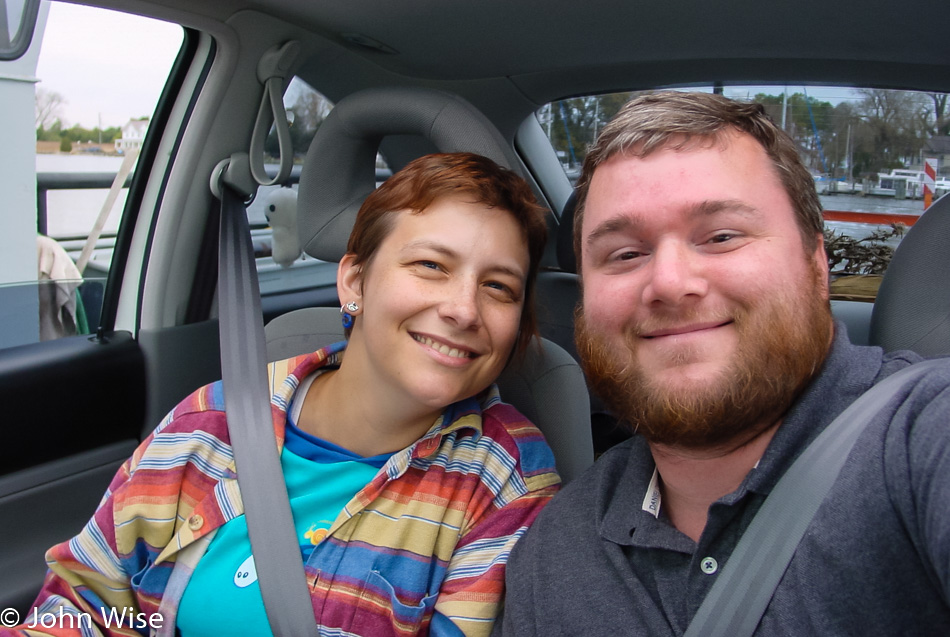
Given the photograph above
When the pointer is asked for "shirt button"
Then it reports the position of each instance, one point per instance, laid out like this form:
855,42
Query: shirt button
195,522
709,565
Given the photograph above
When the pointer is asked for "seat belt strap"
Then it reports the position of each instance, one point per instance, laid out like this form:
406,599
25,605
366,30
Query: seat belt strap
738,599
270,524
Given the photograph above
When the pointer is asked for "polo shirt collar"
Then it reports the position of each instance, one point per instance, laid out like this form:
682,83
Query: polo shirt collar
848,371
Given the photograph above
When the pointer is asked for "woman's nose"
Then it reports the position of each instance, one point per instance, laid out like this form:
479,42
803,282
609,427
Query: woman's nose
461,307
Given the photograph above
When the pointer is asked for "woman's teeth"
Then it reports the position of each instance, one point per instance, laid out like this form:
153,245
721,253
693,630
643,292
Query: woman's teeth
441,347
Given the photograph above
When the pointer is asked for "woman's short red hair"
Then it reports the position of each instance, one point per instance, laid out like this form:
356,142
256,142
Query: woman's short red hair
479,180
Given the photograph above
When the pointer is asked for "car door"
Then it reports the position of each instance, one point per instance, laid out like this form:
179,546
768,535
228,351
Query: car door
73,385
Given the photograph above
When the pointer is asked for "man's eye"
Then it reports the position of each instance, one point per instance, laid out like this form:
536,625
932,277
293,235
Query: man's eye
628,255
722,237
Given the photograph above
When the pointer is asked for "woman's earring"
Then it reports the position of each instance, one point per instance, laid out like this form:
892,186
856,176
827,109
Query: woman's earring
346,310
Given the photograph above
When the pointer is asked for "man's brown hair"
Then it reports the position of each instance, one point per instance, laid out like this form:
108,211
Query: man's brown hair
679,120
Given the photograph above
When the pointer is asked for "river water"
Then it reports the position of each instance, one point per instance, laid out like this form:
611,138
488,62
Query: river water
73,212
857,203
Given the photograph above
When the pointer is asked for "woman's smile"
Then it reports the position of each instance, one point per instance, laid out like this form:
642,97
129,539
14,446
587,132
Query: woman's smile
444,347
451,278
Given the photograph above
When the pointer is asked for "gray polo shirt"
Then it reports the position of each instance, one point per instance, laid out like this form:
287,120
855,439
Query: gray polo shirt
602,558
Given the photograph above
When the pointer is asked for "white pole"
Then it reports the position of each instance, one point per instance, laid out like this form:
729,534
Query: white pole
784,106
107,205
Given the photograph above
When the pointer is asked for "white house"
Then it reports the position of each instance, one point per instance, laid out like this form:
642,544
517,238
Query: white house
133,133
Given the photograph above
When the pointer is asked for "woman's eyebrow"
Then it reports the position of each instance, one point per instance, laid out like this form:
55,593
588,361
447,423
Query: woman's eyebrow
513,272
428,244
435,246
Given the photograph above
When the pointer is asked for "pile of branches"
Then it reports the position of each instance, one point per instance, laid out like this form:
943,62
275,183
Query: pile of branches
870,255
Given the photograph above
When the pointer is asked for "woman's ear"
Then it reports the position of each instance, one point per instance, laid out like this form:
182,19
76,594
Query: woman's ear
349,280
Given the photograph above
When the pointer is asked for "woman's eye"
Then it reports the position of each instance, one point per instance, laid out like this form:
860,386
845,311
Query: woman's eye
503,290
431,265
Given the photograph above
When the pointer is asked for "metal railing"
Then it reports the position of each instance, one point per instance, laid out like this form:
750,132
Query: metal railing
46,181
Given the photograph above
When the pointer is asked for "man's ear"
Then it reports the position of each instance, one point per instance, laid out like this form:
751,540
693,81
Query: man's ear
821,262
349,280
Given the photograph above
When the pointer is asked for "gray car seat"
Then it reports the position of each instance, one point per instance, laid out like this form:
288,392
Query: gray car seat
558,290
912,309
558,295
339,172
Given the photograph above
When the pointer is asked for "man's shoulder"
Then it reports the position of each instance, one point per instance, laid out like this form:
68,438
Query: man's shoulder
931,386
585,499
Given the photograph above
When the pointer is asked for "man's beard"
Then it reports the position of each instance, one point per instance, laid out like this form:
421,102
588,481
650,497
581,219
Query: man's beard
782,342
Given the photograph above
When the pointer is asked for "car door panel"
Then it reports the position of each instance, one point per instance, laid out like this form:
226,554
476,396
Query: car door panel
179,360
69,395
73,412
44,505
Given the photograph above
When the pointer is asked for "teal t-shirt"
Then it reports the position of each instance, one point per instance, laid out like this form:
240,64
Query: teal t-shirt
222,596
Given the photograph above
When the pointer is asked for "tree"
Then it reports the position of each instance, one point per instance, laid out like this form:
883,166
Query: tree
941,116
51,134
573,124
48,105
305,116
895,127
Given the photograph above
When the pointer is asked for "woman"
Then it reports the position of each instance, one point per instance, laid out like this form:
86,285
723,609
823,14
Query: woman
409,480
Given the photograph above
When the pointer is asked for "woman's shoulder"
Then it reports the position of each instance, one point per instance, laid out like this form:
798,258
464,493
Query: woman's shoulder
201,408
509,428
196,427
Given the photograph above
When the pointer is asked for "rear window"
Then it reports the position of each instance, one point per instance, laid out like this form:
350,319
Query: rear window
868,150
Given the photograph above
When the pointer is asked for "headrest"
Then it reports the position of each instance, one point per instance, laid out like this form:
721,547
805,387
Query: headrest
566,259
340,168
912,309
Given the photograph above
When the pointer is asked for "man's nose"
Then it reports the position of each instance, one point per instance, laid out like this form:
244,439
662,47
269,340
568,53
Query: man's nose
676,274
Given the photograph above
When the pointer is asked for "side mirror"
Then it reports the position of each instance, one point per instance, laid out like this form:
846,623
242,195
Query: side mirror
17,22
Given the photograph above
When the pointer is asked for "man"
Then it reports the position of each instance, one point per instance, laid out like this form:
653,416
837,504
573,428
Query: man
705,325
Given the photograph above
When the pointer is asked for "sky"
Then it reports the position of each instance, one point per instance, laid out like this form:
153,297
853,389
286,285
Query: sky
104,63
112,65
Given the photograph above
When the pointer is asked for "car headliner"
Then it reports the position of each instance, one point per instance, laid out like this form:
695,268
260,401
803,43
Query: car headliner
554,49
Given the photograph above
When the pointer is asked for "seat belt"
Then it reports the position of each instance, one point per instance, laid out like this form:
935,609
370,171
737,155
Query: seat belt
270,525
738,599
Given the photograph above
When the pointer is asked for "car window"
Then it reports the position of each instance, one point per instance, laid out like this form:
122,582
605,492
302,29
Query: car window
99,75
281,265
868,150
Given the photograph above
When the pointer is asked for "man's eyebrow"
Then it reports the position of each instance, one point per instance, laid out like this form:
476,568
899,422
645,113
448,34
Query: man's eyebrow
715,206
627,222
614,225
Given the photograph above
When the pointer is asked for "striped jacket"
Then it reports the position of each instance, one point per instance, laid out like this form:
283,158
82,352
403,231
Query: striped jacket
422,548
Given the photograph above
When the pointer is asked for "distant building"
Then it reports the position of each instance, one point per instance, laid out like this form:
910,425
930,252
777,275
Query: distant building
938,147
133,134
